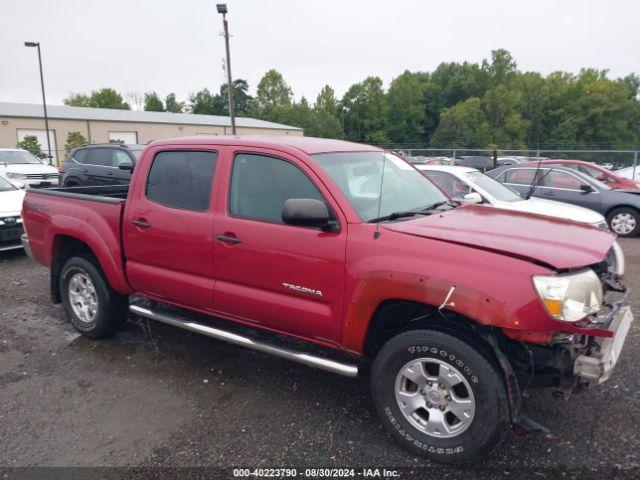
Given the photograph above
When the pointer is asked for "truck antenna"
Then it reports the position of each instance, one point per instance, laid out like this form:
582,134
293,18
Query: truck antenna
376,233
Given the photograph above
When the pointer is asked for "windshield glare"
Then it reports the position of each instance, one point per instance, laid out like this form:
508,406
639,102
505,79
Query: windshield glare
493,188
359,175
15,157
5,185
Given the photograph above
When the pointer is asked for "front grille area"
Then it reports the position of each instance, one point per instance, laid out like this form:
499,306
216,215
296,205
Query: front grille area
603,226
42,176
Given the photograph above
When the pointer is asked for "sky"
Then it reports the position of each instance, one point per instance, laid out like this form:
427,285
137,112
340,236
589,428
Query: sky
176,46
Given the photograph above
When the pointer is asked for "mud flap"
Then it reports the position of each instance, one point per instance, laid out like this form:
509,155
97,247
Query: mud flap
521,424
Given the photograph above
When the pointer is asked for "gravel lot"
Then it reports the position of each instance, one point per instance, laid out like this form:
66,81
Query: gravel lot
177,399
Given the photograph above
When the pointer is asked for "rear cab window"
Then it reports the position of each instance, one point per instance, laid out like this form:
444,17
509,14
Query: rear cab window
182,179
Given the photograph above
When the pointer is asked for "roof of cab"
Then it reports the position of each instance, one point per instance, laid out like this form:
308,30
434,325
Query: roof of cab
308,145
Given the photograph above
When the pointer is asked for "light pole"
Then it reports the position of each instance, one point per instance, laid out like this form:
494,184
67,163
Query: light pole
222,8
44,100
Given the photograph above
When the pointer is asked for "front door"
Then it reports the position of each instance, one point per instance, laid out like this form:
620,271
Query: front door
566,187
283,277
168,226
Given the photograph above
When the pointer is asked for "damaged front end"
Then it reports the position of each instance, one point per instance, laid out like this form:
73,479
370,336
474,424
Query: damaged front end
588,353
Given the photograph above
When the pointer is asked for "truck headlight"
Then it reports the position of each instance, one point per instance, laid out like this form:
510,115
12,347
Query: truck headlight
570,297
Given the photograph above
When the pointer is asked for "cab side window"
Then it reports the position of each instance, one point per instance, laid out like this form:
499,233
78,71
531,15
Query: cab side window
182,179
519,176
261,184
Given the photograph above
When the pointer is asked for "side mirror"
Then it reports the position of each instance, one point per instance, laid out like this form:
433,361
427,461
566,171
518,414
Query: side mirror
473,197
586,188
126,166
306,212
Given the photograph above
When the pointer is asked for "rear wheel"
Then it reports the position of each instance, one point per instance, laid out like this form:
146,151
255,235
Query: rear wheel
92,306
624,221
71,183
439,396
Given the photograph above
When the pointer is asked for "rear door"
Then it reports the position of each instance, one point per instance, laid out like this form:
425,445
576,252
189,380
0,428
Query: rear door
98,165
283,277
168,225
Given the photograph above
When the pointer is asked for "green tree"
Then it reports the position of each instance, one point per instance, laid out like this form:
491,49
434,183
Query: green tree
30,144
241,98
406,109
508,128
273,99
103,98
204,103
152,102
502,67
463,125
74,139
326,107
364,108
172,105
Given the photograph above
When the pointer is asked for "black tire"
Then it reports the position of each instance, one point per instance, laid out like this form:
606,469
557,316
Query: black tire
71,183
111,310
490,421
635,215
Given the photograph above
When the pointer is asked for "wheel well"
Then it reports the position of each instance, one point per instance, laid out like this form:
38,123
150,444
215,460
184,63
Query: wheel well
65,247
606,215
396,316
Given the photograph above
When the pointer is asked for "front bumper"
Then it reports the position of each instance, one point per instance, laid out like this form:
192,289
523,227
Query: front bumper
599,363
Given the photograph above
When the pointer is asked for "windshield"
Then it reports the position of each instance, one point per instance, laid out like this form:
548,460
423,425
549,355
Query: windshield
136,153
5,185
15,157
359,176
493,188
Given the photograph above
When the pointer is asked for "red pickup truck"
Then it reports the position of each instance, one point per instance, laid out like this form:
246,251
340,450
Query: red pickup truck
344,258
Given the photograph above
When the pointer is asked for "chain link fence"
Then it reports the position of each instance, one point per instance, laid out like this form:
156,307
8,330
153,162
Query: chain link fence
611,159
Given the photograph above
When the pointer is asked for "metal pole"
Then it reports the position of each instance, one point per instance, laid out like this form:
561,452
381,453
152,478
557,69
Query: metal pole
44,104
229,84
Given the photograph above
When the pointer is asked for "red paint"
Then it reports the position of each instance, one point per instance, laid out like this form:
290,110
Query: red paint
488,254
605,176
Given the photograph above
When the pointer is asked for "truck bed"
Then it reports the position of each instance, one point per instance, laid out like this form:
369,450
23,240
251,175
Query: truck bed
105,194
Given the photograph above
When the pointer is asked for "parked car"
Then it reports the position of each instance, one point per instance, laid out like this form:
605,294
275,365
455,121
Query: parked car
100,164
10,220
22,166
621,208
468,185
455,309
478,162
595,171
630,173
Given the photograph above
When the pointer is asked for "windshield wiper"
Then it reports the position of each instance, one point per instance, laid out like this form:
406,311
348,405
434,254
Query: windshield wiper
411,213
395,215
437,205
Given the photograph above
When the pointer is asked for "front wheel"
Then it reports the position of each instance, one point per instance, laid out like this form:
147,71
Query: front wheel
624,221
439,396
92,306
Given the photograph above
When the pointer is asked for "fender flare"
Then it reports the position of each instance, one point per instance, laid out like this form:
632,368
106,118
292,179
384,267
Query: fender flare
380,286
106,249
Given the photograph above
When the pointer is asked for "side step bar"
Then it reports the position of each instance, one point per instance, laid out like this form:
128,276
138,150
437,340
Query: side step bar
304,358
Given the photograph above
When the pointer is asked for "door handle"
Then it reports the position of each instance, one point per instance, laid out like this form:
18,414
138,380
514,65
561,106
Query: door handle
550,194
109,173
86,171
227,239
141,222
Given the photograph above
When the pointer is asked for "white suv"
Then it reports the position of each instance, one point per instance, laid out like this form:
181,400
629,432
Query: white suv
18,165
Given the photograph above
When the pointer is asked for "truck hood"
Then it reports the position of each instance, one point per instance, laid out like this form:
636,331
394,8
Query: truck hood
542,206
11,202
543,240
30,168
